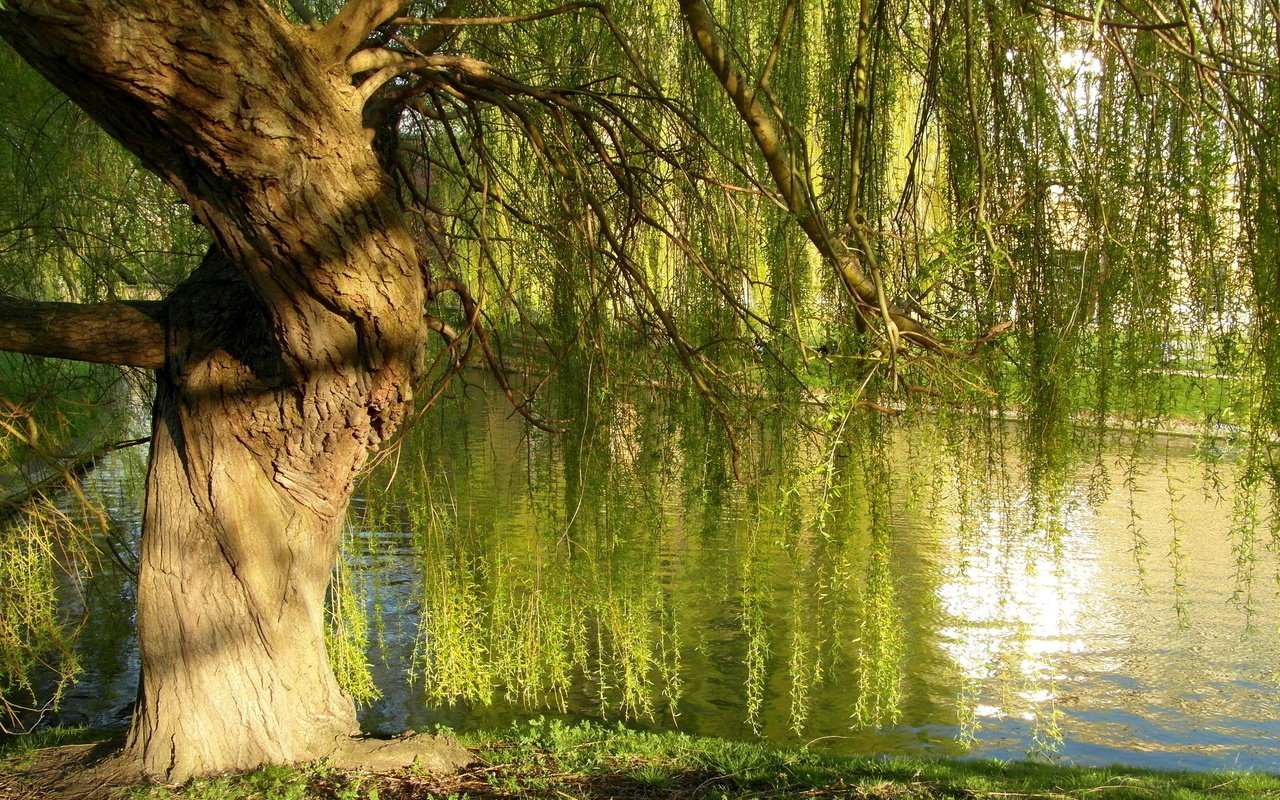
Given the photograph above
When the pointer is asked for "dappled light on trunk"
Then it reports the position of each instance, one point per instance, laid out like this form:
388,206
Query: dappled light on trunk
242,518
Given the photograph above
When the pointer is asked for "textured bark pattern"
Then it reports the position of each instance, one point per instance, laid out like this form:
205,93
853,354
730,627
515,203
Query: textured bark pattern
237,553
127,334
290,353
263,137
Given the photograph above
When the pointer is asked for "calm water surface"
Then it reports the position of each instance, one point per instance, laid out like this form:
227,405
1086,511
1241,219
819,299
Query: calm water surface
622,572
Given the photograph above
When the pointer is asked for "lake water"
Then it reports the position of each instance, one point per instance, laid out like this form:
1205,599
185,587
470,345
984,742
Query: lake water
908,592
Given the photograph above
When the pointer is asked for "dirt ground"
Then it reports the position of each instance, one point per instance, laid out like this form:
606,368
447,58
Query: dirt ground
92,771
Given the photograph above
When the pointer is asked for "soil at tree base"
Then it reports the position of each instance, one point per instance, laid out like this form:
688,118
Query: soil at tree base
99,771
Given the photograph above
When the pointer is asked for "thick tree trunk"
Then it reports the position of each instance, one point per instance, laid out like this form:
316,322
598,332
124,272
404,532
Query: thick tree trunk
289,353
241,531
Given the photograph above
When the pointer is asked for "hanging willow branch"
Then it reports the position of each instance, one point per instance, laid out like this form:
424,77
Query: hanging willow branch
474,325
863,284
560,131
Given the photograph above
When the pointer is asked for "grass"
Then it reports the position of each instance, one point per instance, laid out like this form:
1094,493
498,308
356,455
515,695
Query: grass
557,761
275,783
18,750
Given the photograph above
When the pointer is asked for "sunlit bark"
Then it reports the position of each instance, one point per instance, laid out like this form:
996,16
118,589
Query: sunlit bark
287,356
126,334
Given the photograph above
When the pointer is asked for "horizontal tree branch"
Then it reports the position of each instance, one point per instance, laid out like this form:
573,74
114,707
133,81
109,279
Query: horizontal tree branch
128,334
437,35
390,64
501,20
1104,22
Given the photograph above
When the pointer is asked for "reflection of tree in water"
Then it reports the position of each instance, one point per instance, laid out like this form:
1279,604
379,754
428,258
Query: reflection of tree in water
651,571
901,576
625,571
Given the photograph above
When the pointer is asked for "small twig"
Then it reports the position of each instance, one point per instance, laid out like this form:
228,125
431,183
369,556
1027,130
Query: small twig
472,311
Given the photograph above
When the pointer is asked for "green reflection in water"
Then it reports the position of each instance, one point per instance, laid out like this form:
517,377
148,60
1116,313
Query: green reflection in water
846,571
624,560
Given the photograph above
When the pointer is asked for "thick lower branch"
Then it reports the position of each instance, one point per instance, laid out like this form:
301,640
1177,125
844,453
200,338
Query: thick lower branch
765,131
759,122
123,333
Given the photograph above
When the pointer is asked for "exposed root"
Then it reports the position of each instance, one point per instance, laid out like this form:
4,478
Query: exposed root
88,771
424,752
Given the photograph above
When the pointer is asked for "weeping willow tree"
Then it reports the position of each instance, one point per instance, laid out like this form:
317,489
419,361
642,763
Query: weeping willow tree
1053,211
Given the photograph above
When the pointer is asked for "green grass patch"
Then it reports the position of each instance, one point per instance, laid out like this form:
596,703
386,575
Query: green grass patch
16,751
273,783
554,760
617,762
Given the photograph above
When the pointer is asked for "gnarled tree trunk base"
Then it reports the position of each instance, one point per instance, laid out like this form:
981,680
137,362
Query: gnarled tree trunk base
250,474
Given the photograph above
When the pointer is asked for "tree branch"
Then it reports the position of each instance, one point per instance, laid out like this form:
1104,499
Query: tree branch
358,18
502,20
390,64
128,334
472,310
1104,22
761,124
794,188
304,12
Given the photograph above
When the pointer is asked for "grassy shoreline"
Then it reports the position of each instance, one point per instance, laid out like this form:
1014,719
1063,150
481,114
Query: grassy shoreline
549,759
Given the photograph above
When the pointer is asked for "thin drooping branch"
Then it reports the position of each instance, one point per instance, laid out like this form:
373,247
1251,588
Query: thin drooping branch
792,185
500,20
1103,22
474,325
129,334
788,14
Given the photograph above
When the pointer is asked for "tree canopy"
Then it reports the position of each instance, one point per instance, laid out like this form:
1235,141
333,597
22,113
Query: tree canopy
1095,177
1061,212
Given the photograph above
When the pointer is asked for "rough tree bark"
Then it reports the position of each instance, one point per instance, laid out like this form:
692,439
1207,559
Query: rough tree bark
243,511
287,355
